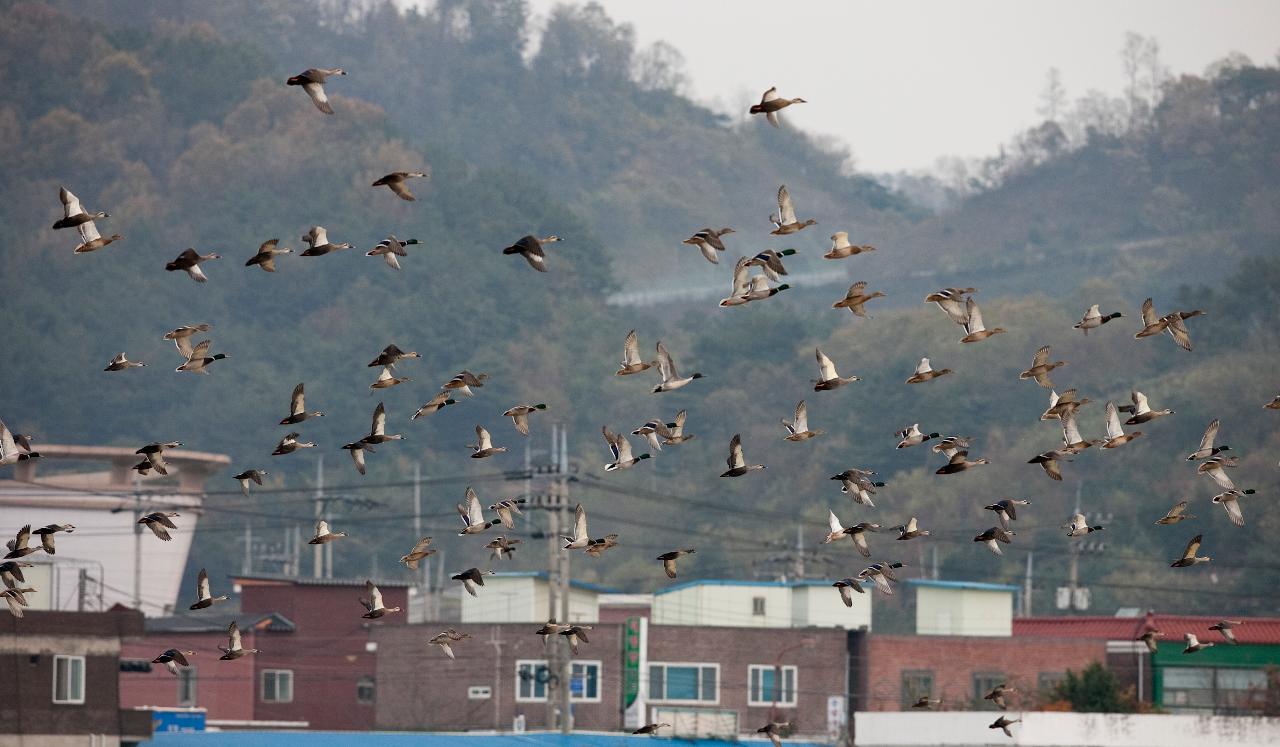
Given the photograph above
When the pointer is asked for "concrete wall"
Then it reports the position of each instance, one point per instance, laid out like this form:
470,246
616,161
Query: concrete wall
724,605
524,599
968,612
1048,729
822,606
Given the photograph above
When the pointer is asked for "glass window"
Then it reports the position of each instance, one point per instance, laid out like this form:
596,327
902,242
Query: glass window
1221,690
68,679
533,678
983,683
764,688
186,686
586,681
365,690
916,684
691,683
757,606
277,686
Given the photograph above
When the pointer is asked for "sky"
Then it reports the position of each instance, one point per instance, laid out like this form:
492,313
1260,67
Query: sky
903,83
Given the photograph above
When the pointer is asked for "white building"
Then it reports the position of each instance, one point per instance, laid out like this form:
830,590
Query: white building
759,604
524,597
963,608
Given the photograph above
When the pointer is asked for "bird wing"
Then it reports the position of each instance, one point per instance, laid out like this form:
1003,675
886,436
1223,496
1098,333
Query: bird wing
297,401
1177,509
201,350
88,232
521,421
1210,435
669,566
316,92
483,440
1070,430
834,522
610,438
318,236
827,369
322,528
769,95
1139,402
801,423
70,203
623,450
401,188
741,281
973,316
1233,510
1193,547
1149,313
202,585
1178,330
233,634
786,209
631,349
678,428
1113,422
666,366
357,456
736,458
379,420
580,523
923,366
475,515
1191,640
1041,357
375,596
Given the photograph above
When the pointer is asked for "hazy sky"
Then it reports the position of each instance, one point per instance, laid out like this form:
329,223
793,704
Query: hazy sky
902,82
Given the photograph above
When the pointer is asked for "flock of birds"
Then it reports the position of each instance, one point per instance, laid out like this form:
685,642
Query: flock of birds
755,279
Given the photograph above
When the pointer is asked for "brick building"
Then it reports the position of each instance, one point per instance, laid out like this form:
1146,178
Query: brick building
61,678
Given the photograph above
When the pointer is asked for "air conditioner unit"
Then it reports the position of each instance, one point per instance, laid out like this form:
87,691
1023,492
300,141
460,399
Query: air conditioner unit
1062,598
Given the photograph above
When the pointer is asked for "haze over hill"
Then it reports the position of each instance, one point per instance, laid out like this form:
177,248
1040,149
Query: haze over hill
177,122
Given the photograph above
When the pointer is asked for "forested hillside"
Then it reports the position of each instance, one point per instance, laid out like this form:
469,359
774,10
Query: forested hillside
175,119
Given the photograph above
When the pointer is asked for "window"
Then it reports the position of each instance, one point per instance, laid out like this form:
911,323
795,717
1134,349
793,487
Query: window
365,690
983,683
764,685
684,683
757,606
533,680
277,686
916,684
68,679
1213,689
186,686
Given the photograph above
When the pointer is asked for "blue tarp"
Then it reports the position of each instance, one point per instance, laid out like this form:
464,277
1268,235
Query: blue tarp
425,739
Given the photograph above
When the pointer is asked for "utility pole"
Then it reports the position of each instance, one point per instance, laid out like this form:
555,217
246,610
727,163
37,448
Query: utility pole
81,588
317,565
797,564
137,543
1026,587
246,565
566,663
424,576
553,574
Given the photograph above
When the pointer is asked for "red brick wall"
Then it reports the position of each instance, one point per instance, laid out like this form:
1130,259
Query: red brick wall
953,661
224,688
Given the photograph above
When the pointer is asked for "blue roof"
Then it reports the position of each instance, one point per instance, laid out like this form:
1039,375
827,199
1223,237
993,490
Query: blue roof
543,575
969,585
427,739
735,582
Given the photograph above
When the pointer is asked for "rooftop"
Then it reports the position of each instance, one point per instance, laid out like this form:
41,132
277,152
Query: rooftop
966,585
283,579
1262,630
270,622
543,575
735,582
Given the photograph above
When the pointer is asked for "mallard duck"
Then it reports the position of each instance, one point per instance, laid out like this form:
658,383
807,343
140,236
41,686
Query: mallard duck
758,289
520,416
506,510
880,574
46,534
530,247
910,530
395,181
1207,449
772,730
200,360
483,447
708,242
1216,468
952,303
574,634
181,336
596,547
204,598
650,728
312,81
16,599
1140,411
250,474
1194,644
650,433
234,648
1175,325
738,293
391,355
502,548
1040,368
290,444
1273,404
923,703
951,444
266,256
841,248
631,363
925,372
913,436
770,104
959,462
1152,324
1115,433
173,658
471,578
1230,501
374,608
1224,627
993,536
18,547
1003,724
421,549
671,378
620,448
1078,526
386,379
1048,461
11,451
973,327
324,535
1175,514
1151,639
785,221
855,297
998,693
378,428
1093,318
798,429
390,249
1007,510
473,521
11,572
154,453
846,587
672,433
318,244
463,381
830,378
91,240
442,399
189,262
121,362
856,533
770,261
858,485
737,464
160,522
1189,556
669,560
445,640
73,214
298,407
1067,404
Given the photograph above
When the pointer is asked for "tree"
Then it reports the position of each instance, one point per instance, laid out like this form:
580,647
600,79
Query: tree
1095,690
1053,99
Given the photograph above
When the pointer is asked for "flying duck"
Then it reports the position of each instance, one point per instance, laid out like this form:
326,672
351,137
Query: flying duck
846,587
374,608
925,704
46,534
266,256
758,289
858,485
770,261
1048,461
925,372
312,81
473,521
952,303
463,381
483,447
1194,644
959,463
1273,404
1067,404
1140,411
798,429
390,249
318,244
650,728
737,464
298,407
1078,526
596,547
785,221
1073,442
1007,510
1224,627
73,214
993,536
445,639
520,416
671,378
173,658
1151,639
502,548
669,560
880,574
1216,468
250,474
1093,318
841,248
770,104
234,649
855,297
14,448
421,549
18,547
1207,449
1115,433
1189,556
856,533
391,355
159,522
16,599
506,510
386,379
1230,501
830,378
395,181
471,578
621,450
323,535
667,434
11,572
910,530
91,240
442,399
913,436
200,360
708,242
575,633
181,336
998,694
650,432
631,363
204,598
122,363
1175,514
189,262
290,444
378,428
973,327
1040,368
951,444
1003,724
772,730
530,247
